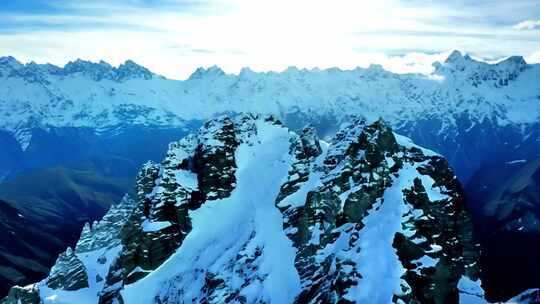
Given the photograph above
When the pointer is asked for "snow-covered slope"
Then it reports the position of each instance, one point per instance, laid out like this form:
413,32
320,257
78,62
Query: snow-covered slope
247,211
463,100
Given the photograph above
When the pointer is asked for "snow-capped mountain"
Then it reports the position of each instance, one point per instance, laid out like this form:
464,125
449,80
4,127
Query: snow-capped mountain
450,110
247,211
82,94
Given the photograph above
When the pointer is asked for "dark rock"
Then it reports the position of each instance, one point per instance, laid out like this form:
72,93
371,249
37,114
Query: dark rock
22,295
68,273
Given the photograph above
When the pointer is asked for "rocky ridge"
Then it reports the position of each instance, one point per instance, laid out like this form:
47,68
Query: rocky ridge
248,211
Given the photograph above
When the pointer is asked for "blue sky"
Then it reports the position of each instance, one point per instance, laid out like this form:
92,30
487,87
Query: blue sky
173,37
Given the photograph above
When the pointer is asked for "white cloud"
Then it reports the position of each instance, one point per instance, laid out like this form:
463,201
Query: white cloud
533,58
527,25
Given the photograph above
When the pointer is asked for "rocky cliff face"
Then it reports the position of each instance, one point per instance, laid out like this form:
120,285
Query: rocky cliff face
247,211
377,211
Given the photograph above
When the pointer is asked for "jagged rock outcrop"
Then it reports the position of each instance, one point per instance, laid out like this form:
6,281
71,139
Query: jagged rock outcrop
214,159
104,233
68,273
22,295
374,174
195,169
247,211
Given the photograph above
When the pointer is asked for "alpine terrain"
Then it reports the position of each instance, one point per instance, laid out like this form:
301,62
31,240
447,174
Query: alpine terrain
247,211
474,113
79,134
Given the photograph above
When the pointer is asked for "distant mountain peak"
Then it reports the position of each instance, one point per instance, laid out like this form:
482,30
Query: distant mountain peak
11,62
102,69
130,69
246,72
376,71
516,63
97,71
464,68
80,65
516,59
211,72
457,57
292,70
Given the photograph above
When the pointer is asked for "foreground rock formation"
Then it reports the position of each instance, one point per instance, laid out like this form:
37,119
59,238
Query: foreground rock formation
246,211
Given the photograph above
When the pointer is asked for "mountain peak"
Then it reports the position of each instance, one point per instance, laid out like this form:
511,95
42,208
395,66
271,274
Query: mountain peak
105,64
516,59
291,70
79,65
210,72
246,72
464,68
130,69
457,57
376,70
96,71
252,204
103,70
514,63
11,62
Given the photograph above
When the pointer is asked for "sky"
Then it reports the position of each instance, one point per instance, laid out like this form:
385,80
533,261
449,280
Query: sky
174,37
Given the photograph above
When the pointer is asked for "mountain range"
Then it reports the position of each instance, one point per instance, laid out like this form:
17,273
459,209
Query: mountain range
461,101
